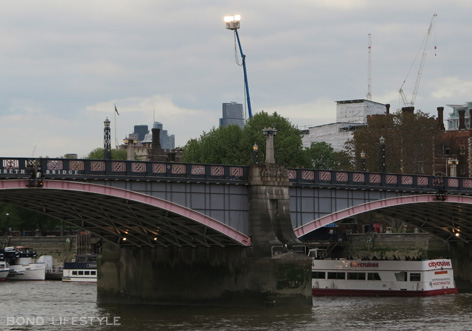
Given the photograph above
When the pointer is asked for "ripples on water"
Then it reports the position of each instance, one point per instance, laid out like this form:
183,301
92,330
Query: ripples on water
72,306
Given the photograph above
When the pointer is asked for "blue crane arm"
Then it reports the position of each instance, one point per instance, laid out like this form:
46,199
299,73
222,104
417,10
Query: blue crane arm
243,57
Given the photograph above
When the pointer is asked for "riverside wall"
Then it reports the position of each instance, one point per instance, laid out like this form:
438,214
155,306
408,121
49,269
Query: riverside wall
388,245
61,248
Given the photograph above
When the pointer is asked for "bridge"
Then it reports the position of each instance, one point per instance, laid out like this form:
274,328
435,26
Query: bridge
177,204
207,215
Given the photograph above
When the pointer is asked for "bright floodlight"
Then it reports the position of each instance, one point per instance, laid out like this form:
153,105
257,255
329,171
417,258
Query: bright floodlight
232,22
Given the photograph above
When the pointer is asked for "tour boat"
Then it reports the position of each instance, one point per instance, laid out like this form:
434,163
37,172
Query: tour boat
23,265
82,269
4,270
351,277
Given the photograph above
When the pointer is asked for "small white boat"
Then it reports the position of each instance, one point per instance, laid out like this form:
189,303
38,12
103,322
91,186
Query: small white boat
4,270
82,269
23,265
351,277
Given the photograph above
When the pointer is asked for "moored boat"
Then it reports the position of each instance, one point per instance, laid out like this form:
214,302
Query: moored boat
82,269
353,277
4,270
23,265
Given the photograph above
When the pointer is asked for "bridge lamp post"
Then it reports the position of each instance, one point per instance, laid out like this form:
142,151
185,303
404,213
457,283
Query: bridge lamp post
107,139
382,160
363,161
5,222
255,153
130,142
453,164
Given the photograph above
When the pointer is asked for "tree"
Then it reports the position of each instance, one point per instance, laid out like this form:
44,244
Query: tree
219,146
116,154
321,155
409,142
21,219
232,145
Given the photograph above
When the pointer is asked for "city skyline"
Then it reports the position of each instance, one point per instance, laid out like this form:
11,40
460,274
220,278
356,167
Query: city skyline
66,65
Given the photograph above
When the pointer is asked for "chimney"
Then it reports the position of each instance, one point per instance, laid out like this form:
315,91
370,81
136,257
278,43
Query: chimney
441,118
408,110
461,119
387,109
156,149
470,119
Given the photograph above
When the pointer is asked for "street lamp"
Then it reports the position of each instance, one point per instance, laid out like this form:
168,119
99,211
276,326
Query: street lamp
130,142
363,161
232,23
382,161
453,164
107,139
5,223
255,153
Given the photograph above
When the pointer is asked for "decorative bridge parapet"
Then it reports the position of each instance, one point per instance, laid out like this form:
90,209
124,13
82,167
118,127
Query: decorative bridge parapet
140,170
112,169
379,182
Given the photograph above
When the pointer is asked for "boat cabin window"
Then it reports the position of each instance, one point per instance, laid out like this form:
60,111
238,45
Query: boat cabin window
356,275
86,272
318,274
400,276
93,272
373,276
415,277
336,275
74,273
81,272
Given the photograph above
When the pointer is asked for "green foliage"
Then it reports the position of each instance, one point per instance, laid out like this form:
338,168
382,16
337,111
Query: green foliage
288,150
233,145
409,142
321,155
20,219
219,146
116,154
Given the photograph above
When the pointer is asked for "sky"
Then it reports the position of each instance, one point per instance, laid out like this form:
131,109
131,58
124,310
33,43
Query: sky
65,64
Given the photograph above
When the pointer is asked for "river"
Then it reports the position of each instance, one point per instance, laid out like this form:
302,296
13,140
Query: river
53,305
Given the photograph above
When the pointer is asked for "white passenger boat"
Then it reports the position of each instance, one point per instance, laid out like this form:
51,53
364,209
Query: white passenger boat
350,277
4,270
23,265
82,269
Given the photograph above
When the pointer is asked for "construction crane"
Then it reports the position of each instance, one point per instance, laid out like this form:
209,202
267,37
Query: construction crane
423,47
232,23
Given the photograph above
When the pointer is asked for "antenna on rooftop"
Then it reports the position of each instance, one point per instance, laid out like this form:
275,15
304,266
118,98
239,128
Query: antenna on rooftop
369,70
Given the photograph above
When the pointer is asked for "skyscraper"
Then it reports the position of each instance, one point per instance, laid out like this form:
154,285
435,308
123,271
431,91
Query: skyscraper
232,114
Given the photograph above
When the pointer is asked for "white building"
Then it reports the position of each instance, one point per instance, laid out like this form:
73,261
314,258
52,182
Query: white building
453,120
350,115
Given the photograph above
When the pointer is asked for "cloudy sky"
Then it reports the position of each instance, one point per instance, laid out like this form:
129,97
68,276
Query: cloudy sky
64,64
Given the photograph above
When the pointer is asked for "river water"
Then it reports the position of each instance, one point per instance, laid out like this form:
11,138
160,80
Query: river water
53,305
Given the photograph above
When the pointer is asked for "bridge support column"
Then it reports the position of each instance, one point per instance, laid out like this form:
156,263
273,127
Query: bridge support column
461,255
200,275
269,209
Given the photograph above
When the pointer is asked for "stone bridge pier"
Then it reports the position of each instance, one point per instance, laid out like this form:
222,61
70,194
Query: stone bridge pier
268,273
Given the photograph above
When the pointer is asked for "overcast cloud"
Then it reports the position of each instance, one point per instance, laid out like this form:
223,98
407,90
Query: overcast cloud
65,64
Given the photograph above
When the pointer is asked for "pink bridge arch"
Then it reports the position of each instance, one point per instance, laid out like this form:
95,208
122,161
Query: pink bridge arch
449,215
16,188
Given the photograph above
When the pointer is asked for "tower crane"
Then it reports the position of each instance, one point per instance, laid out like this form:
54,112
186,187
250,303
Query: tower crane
423,47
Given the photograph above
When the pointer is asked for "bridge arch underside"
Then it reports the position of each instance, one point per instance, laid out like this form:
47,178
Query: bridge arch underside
450,220
114,214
